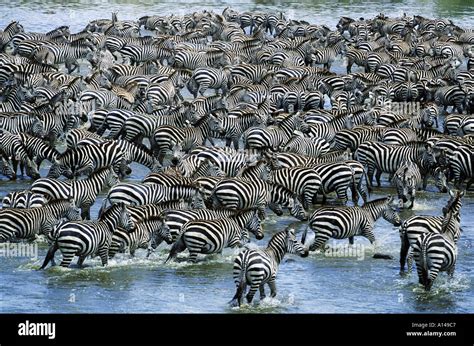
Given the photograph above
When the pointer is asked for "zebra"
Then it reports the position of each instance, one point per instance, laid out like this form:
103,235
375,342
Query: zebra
140,126
257,267
88,238
273,137
38,149
9,32
304,182
386,158
57,53
435,252
167,136
90,158
6,169
27,223
140,194
461,165
207,77
23,199
11,146
326,56
83,191
338,177
175,219
238,194
407,180
347,222
313,147
233,128
145,235
212,236
22,123
411,229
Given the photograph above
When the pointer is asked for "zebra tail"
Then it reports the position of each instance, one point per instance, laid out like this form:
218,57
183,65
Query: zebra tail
50,255
424,263
236,300
178,246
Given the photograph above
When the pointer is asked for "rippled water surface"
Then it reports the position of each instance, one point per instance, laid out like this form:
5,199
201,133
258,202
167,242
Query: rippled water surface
319,283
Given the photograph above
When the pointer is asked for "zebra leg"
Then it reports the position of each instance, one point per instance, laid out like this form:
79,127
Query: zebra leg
253,289
405,246
351,240
67,259
262,292
50,255
193,257
81,260
370,175
451,271
378,175
86,212
104,255
273,289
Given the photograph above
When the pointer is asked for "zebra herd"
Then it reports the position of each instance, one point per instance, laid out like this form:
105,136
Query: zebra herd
281,130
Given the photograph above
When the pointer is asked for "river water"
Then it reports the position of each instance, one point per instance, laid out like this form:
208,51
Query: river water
317,284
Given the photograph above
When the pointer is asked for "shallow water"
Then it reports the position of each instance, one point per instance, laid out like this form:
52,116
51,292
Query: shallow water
317,284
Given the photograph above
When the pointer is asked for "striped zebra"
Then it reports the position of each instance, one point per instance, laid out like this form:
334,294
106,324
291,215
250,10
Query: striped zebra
209,78
313,147
461,165
76,238
233,128
88,159
83,191
27,223
466,127
7,34
414,226
304,182
6,169
167,136
387,159
347,222
257,267
22,123
23,199
58,53
212,236
146,234
273,137
237,194
336,177
140,126
175,219
140,194
38,149
12,147
434,252
407,180
326,56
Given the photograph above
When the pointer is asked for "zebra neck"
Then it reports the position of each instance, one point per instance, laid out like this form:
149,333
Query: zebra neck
276,248
450,225
374,211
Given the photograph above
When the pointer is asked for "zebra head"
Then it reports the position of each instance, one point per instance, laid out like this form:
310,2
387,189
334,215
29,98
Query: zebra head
296,209
392,215
32,170
161,233
73,213
454,201
6,169
441,179
125,221
215,123
197,201
293,245
112,178
450,224
254,225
